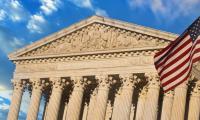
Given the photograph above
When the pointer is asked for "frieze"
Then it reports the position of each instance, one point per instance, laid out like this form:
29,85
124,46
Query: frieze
97,37
52,64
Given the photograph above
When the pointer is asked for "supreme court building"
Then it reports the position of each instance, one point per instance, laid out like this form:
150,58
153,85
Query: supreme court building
100,69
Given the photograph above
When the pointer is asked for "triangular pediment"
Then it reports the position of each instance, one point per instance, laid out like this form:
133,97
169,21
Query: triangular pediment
96,34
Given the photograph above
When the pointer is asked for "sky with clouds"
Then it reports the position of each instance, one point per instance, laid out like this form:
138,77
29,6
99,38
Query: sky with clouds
24,21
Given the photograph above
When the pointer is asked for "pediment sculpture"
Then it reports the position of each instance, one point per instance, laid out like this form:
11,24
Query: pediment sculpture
97,37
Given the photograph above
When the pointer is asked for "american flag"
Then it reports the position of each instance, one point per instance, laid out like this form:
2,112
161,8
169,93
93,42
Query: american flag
174,62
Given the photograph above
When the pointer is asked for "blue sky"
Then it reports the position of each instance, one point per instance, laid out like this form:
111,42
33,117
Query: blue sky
25,21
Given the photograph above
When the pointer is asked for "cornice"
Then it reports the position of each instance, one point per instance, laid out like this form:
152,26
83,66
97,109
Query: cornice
114,51
88,56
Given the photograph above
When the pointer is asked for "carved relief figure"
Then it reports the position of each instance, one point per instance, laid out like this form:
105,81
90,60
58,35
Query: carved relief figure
96,37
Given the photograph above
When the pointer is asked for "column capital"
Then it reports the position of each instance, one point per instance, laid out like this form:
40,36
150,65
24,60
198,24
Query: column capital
58,83
19,84
78,81
143,92
38,83
153,80
129,80
103,80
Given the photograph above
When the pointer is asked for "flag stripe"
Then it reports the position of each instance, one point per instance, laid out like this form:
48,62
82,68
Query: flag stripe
175,73
174,51
172,86
175,68
177,77
179,53
173,63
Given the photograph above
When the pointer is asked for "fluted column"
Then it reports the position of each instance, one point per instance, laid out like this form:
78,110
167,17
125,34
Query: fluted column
151,104
65,111
37,86
123,109
91,108
102,97
75,101
16,99
55,98
167,105
141,104
85,112
178,108
194,104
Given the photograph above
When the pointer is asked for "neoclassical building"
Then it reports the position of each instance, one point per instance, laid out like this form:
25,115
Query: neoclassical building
100,69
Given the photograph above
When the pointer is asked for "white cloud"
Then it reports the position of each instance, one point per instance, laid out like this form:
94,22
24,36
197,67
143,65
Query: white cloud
2,88
2,15
49,6
4,106
88,4
36,23
170,9
9,43
13,10
101,12
6,94
16,42
83,3
136,3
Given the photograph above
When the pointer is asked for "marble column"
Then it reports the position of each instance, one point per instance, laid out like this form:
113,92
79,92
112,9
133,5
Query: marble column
85,112
117,101
167,105
178,108
102,97
37,86
151,104
141,104
75,101
194,103
65,111
55,98
16,99
123,109
91,108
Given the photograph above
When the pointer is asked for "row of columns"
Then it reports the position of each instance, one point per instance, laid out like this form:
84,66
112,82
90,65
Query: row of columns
174,103
147,106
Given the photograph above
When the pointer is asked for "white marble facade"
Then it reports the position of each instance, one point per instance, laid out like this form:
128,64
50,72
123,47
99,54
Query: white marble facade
100,69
